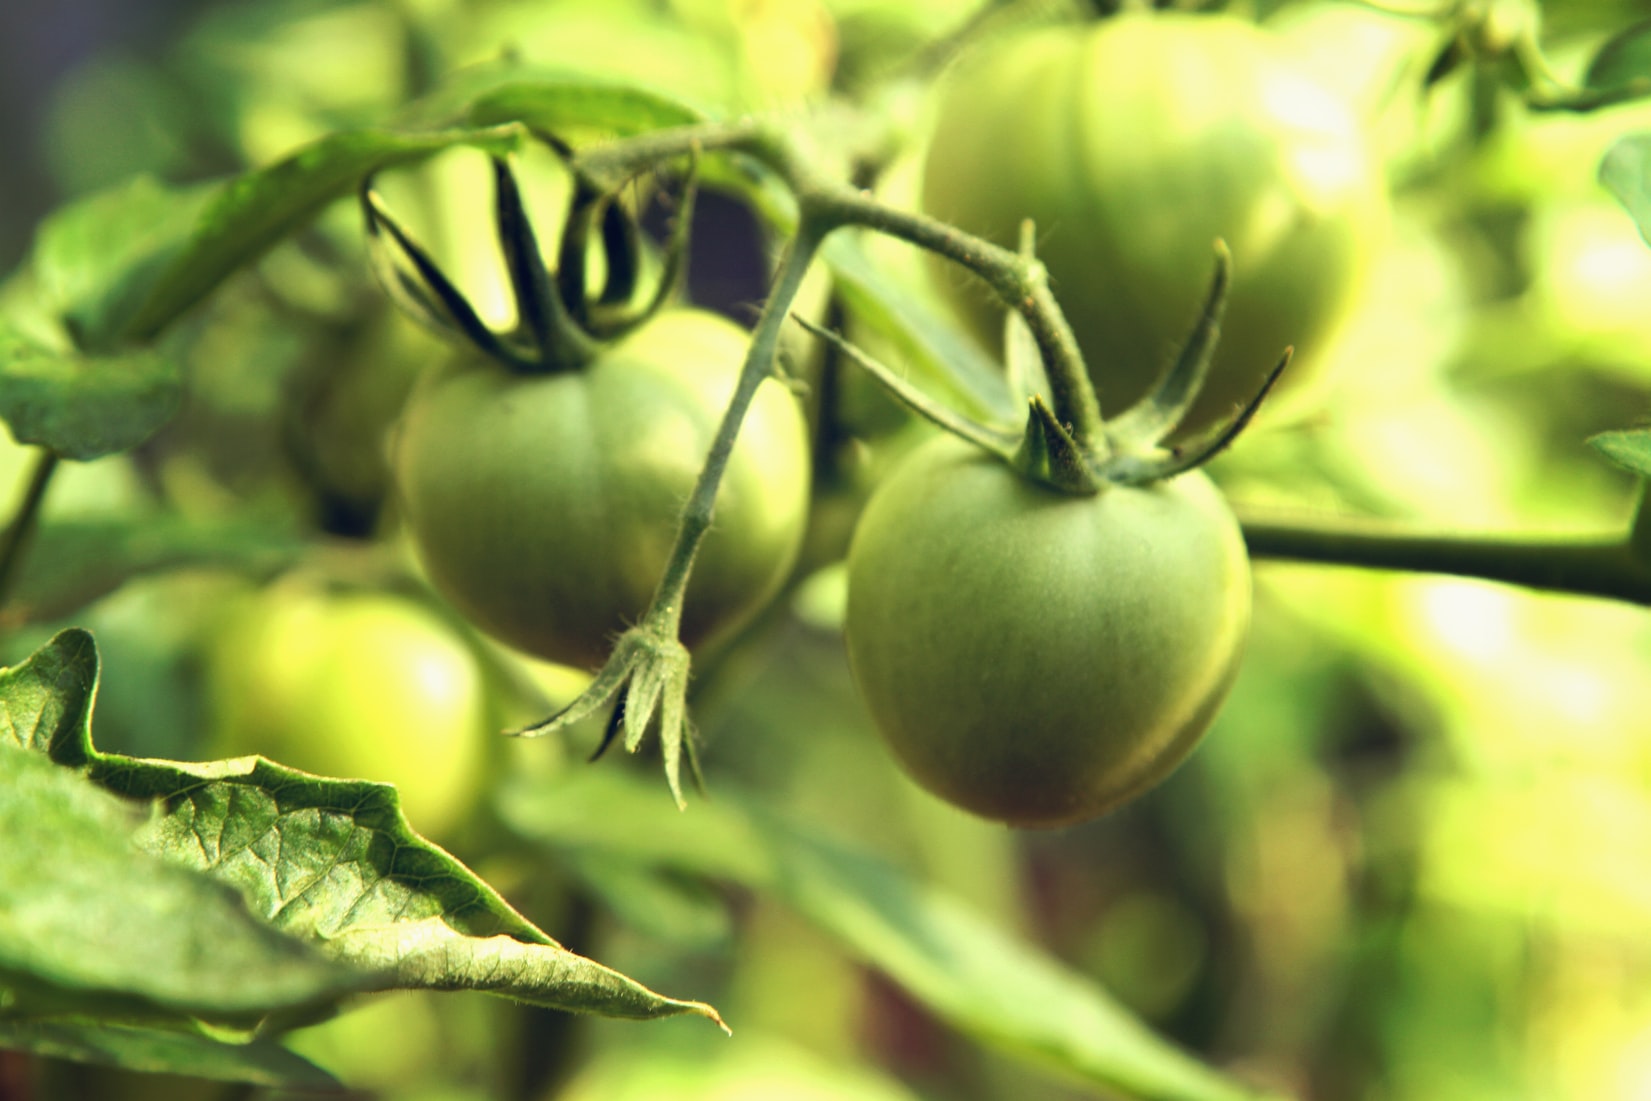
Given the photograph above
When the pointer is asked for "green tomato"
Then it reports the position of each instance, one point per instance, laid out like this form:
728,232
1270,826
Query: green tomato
355,685
544,506
1133,145
1038,658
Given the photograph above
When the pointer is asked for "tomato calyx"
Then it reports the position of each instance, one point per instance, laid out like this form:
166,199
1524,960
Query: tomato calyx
1131,448
562,322
646,674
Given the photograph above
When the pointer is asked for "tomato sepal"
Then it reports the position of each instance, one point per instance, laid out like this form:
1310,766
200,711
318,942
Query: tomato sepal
999,442
647,674
1048,453
1146,423
417,285
562,323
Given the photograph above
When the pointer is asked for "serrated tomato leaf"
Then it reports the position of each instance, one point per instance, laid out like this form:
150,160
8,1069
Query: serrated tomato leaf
984,982
92,923
1629,449
332,863
84,406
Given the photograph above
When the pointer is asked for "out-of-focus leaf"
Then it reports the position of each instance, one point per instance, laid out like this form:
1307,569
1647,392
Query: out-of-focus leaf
658,903
74,562
259,1062
982,981
1625,58
246,215
90,920
95,260
558,104
331,862
84,406
551,99
937,354
1626,173
1629,449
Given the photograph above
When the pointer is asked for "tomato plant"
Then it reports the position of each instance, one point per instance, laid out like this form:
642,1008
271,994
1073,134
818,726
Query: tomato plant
1132,144
1412,833
544,505
1039,658
360,684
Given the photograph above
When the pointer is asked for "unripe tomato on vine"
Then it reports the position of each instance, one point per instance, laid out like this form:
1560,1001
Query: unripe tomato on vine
1038,658
1044,620
1132,144
542,472
544,506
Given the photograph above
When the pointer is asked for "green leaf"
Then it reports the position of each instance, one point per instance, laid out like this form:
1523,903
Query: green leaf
996,988
74,562
1624,58
260,1062
96,259
247,215
1626,173
560,105
332,862
934,351
84,406
89,920
568,105
1629,449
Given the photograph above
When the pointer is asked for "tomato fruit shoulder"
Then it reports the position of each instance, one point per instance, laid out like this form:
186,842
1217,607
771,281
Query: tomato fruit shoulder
544,506
1038,658
1133,144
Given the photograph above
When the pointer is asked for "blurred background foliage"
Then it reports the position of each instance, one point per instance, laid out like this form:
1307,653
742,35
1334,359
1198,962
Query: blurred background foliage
1409,862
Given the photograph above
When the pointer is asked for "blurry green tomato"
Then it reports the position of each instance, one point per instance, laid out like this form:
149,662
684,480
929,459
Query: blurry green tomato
356,685
1133,144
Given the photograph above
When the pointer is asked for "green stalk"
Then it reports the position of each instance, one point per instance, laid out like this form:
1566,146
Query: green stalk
1604,566
1639,526
759,364
1020,282
14,542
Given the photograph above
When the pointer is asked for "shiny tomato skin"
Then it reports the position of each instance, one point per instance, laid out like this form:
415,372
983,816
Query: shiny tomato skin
544,506
1038,658
1133,144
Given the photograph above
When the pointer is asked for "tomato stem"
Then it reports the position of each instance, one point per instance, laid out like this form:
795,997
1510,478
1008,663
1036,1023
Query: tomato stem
1639,525
1585,566
1019,280
14,542
759,365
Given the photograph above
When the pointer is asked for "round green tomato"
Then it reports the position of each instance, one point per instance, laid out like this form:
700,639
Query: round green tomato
1038,658
355,685
544,506
1133,144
